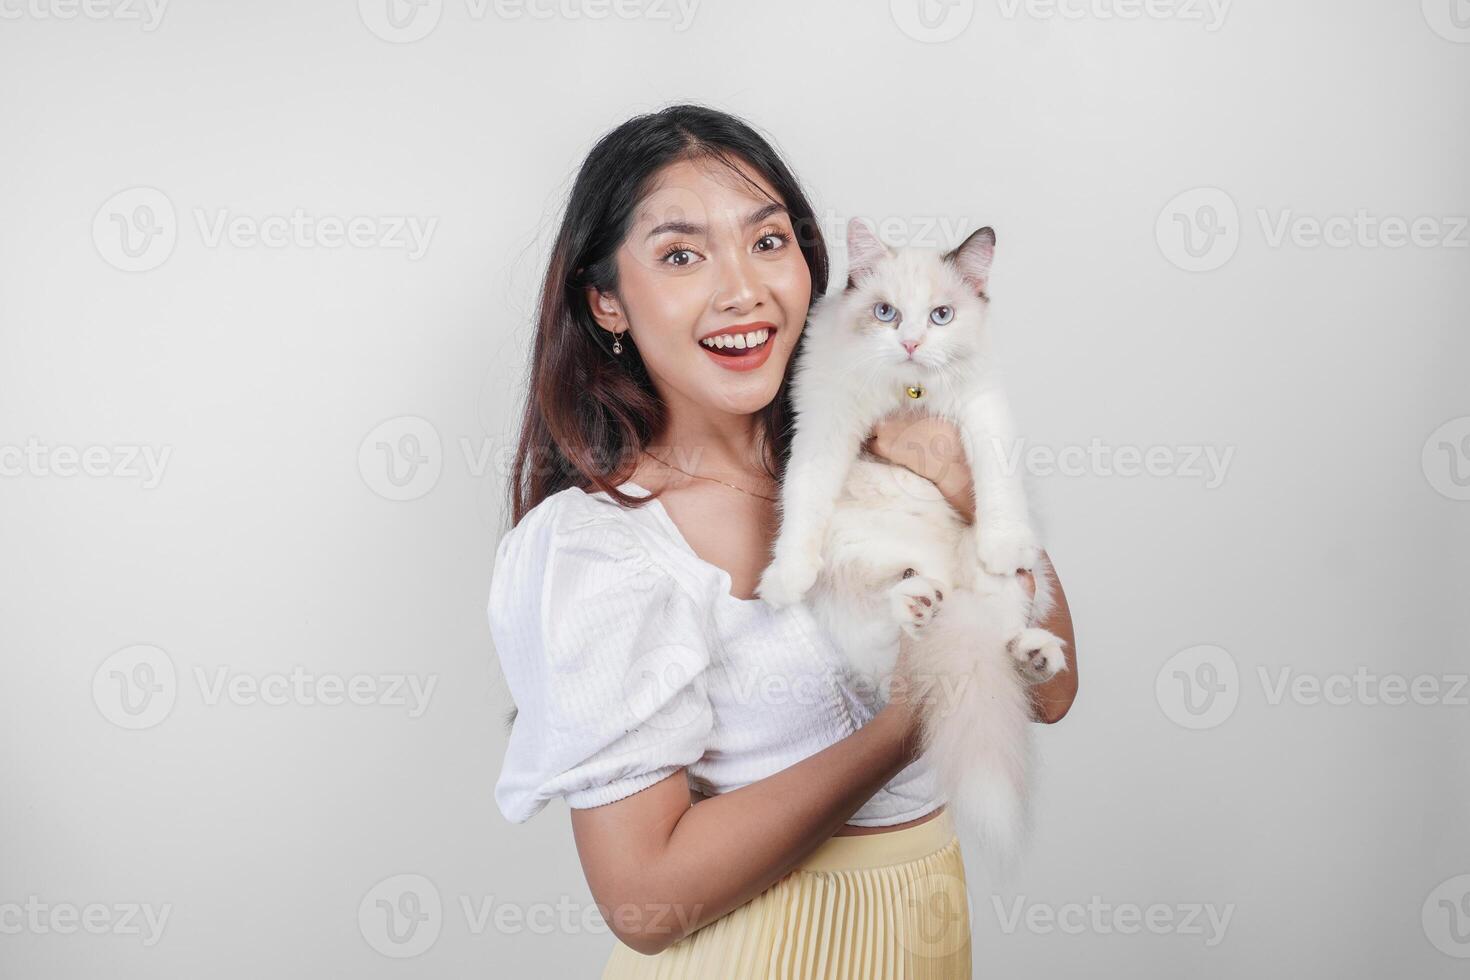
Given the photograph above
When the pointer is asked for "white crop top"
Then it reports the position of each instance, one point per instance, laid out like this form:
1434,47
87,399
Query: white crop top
627,658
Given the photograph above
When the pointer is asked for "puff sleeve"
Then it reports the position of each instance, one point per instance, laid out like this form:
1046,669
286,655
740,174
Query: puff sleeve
606,654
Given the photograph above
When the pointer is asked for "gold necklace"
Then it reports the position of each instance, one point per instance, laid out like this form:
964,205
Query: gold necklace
698,477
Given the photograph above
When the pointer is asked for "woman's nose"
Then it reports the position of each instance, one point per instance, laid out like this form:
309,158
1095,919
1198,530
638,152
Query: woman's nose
739,288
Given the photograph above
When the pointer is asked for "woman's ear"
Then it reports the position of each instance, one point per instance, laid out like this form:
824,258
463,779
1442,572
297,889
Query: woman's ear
606,310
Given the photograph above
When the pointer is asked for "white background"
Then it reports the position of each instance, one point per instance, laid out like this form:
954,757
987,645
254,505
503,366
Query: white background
1334,543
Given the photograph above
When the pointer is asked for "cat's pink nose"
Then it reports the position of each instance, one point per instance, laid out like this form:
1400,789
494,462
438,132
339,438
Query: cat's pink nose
910,346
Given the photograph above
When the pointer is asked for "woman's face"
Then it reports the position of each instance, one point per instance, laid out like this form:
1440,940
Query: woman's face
707,255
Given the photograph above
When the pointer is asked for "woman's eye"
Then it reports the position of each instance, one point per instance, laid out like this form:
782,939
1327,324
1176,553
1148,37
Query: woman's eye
776,238
885,312
671,256
941,315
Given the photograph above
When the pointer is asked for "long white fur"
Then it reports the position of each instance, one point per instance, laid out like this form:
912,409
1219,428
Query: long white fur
852,525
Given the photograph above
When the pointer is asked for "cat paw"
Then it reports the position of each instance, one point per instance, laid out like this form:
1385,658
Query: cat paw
1038,653
786,580
1007,548
914,600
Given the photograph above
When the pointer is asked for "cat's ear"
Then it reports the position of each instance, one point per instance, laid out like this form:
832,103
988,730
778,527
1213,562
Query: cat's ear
973,257
864,249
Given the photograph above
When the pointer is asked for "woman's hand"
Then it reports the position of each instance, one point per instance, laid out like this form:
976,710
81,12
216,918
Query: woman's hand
929,446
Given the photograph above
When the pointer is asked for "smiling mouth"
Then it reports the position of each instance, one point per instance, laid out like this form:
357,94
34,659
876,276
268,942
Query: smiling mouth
739,345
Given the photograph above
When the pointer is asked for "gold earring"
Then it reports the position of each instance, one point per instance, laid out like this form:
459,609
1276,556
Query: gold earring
617,343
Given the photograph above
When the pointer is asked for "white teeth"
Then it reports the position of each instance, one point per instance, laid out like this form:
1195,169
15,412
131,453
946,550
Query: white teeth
739,341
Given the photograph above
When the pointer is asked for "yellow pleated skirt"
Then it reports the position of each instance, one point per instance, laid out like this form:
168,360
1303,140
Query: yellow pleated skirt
889,906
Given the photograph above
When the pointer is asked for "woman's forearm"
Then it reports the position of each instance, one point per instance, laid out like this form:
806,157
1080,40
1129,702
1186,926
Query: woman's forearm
1053,698
930,447
958,488
727,849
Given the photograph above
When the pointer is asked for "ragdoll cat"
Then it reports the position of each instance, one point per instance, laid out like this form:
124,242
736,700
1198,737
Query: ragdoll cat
879,553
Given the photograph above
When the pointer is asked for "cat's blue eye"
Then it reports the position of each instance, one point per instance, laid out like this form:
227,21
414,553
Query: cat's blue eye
884,312
941,315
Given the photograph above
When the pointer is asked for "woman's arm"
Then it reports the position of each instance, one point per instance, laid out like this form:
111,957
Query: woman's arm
1052,699
660,868
930,447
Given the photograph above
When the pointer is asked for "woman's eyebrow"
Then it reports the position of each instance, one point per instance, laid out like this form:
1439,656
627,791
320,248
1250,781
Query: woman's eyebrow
690,228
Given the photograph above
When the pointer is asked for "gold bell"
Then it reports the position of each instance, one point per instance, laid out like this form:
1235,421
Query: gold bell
914,391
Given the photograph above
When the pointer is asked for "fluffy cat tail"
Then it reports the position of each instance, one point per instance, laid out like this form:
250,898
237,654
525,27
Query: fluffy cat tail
976,722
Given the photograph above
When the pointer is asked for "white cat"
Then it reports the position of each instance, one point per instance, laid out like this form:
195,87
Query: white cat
882,552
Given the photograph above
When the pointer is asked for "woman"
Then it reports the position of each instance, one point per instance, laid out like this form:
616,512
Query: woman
739,810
